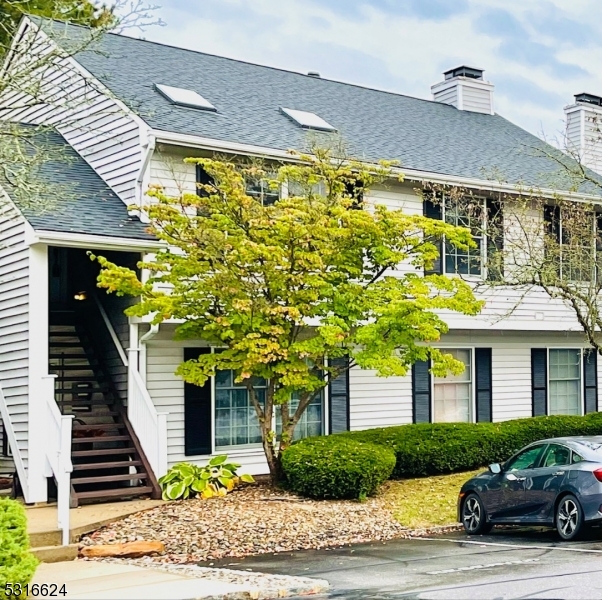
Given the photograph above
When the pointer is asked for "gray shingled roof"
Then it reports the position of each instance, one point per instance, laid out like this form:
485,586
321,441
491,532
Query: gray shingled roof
421,134
87,205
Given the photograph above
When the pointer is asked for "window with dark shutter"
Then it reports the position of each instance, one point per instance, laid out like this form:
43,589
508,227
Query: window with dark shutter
338,395
355,191
433,210
198,429
539,381
590,380
421,392
484,395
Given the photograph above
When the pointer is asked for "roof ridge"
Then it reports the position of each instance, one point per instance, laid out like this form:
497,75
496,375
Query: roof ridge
246,62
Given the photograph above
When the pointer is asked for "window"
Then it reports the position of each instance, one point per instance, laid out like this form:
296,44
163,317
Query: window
556,456
464,262
527,459
565,382
311,422
574,251
236,421
453,394
307,120
184,97
576,458
261,190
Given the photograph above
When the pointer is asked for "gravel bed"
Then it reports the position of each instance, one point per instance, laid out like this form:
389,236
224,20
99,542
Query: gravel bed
252,520
261,585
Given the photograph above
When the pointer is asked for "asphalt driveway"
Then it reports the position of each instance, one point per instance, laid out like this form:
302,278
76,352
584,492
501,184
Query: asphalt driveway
520,563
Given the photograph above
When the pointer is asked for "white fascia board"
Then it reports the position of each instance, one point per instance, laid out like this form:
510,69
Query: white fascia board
101,242
193,141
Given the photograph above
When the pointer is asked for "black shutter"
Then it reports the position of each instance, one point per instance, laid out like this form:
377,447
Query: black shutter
590,378
495,240
482,358
197,411
433,210
551,217
539,381
421,392
202,178
338,396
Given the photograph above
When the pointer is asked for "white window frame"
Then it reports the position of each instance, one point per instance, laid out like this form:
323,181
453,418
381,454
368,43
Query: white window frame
473,395
483,237
581,378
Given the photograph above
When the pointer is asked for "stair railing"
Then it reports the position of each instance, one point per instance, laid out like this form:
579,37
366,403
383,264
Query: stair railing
58,454
149,425
9,431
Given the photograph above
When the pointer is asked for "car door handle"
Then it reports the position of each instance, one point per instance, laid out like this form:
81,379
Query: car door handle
521,478
558,473
513,477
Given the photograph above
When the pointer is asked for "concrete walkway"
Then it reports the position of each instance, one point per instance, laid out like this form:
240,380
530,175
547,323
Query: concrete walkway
93,580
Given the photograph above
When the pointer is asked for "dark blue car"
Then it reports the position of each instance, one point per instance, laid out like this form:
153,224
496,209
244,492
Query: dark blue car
556,482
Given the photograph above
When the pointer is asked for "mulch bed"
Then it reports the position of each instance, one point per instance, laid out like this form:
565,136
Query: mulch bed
254,519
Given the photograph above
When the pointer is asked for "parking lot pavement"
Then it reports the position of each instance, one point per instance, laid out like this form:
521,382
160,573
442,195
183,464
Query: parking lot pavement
510,563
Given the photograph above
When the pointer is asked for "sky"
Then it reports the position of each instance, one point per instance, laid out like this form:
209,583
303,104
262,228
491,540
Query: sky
537,53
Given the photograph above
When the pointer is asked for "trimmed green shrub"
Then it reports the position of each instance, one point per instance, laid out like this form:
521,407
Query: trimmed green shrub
431,449
335,467
17,565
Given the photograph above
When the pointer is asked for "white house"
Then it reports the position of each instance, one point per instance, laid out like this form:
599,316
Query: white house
115,412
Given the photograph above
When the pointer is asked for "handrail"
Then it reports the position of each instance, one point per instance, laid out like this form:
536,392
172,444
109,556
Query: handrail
112,333
58,454
149,425
12,441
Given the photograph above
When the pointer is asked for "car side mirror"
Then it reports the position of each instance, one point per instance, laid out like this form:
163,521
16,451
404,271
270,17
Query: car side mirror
495,468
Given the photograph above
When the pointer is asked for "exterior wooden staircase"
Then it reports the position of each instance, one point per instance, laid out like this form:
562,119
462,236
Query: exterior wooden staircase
108,462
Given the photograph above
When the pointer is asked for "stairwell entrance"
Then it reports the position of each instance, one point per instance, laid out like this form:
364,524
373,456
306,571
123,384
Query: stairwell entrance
91,379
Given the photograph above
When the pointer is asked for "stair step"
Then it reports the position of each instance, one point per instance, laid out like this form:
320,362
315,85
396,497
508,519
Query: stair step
107,438
119,492
64,334
104,452
107,465
75,391
71,367
72,345
68,356
108,478
84,378
99,426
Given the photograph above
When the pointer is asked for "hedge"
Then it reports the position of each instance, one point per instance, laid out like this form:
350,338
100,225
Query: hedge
353,464
438,448
17,565
335,467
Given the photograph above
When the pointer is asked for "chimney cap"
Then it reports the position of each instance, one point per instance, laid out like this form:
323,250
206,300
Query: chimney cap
464,71
585,98
313,74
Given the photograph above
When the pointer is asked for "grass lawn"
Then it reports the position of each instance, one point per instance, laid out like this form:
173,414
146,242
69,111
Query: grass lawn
427,501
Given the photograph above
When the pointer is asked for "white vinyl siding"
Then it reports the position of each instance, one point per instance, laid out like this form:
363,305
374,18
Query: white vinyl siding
14,326
105,133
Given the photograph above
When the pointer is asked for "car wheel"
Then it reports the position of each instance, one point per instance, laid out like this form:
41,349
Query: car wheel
569,518
474,517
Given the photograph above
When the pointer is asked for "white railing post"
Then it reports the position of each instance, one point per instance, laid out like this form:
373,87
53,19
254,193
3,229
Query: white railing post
162,446
64,483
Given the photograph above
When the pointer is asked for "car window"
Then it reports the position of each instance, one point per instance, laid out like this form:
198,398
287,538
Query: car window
556,456
527,459
576,458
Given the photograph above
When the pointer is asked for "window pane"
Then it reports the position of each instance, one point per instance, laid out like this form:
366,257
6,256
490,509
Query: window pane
453,394
565,382
236,421
556,456
310,423
525,460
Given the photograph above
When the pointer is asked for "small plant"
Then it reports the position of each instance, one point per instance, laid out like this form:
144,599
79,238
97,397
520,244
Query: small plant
17,565
216,478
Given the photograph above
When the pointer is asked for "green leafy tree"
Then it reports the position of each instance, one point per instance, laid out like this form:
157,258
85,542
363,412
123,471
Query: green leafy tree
284,288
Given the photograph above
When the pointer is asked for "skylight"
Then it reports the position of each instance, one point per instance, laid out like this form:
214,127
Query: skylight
183,97
308,120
